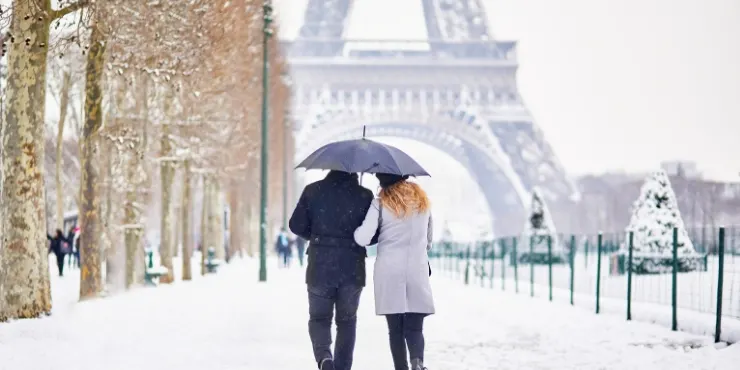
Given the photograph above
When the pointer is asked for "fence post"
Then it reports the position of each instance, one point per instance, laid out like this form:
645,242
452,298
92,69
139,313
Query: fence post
493,260
459,256
630,245
720,283
531,265
451,261
443,259
674,288
585,254
450,258
515,258
446,262
483,258
467,266
599,244
503,263
572,266
549,264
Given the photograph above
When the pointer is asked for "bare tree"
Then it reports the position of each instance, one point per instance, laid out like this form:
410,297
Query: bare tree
63,105
24,284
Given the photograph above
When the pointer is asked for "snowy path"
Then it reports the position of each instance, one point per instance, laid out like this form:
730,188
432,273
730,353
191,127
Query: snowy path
230,322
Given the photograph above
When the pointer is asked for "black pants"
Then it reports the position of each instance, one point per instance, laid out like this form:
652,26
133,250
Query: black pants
322,301
74,259
60,263
406,329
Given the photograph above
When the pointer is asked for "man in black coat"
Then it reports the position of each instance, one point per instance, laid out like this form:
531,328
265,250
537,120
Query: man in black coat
327,215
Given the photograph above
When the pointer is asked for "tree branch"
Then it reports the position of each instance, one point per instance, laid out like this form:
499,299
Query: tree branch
56,14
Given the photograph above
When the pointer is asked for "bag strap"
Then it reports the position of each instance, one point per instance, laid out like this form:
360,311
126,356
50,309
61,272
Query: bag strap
380,214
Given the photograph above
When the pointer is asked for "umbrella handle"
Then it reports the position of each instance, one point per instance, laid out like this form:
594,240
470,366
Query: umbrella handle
375,164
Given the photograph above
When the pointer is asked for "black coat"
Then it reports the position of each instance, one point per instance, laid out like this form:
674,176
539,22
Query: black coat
327,215
57,246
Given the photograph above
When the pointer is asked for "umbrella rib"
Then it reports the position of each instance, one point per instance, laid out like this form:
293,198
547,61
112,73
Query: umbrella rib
349,155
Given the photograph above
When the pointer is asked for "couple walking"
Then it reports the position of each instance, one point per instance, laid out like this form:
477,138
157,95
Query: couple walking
340,218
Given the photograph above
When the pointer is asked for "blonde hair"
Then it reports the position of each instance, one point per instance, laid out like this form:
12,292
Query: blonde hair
404,198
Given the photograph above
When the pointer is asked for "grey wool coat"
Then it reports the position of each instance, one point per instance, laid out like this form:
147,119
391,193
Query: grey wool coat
401,273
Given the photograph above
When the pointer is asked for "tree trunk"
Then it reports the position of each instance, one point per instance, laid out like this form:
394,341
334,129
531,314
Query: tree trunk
167,174
205,222
132,238
176,231
187,271
139,253
111,247
91,283
167,171
63,104
251,234
236,230
132,227
218,220
24,286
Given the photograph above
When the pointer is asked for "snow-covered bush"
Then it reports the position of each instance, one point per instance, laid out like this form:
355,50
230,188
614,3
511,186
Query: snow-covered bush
538,227
654,215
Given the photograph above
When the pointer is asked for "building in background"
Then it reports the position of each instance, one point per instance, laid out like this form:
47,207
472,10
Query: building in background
686,169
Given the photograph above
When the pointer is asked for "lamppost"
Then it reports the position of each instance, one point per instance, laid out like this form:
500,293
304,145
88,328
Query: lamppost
286,153
285,170
267,32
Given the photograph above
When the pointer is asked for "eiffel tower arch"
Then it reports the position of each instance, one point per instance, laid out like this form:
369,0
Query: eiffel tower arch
457,93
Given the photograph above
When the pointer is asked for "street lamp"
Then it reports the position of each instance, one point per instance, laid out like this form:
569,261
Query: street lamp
286,161
285,171
267,32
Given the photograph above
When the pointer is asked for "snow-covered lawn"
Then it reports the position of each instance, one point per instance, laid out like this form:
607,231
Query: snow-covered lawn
229,321
651,294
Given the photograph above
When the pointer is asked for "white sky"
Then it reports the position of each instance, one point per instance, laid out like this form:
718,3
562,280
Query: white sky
615,84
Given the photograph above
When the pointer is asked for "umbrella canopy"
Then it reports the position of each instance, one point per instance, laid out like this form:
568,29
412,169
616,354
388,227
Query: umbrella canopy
363,155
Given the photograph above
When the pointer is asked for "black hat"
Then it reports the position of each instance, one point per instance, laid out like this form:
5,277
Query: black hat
387,179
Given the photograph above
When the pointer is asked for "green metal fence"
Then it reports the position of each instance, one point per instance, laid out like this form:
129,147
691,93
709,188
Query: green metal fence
601,267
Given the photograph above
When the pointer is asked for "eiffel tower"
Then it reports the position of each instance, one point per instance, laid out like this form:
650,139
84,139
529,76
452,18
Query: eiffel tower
458,93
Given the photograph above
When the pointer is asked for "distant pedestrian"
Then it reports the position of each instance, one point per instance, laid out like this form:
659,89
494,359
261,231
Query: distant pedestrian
282,246
56,246
74,247
300,246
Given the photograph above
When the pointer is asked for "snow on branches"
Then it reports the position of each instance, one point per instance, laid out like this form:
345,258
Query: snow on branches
539,226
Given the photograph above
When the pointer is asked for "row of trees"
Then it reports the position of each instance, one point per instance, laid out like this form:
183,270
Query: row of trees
605,197
654,215
172,94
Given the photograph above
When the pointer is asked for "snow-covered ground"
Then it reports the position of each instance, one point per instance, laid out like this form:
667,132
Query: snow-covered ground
229,321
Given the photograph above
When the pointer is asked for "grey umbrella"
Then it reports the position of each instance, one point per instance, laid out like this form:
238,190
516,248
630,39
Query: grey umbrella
363,155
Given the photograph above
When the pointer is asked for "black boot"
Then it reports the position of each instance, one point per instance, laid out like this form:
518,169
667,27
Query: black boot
326,364
416,364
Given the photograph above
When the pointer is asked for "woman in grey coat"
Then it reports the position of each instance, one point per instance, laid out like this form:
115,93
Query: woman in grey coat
403,293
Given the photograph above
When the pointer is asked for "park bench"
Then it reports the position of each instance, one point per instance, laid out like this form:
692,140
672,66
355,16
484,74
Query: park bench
152,273
212,263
